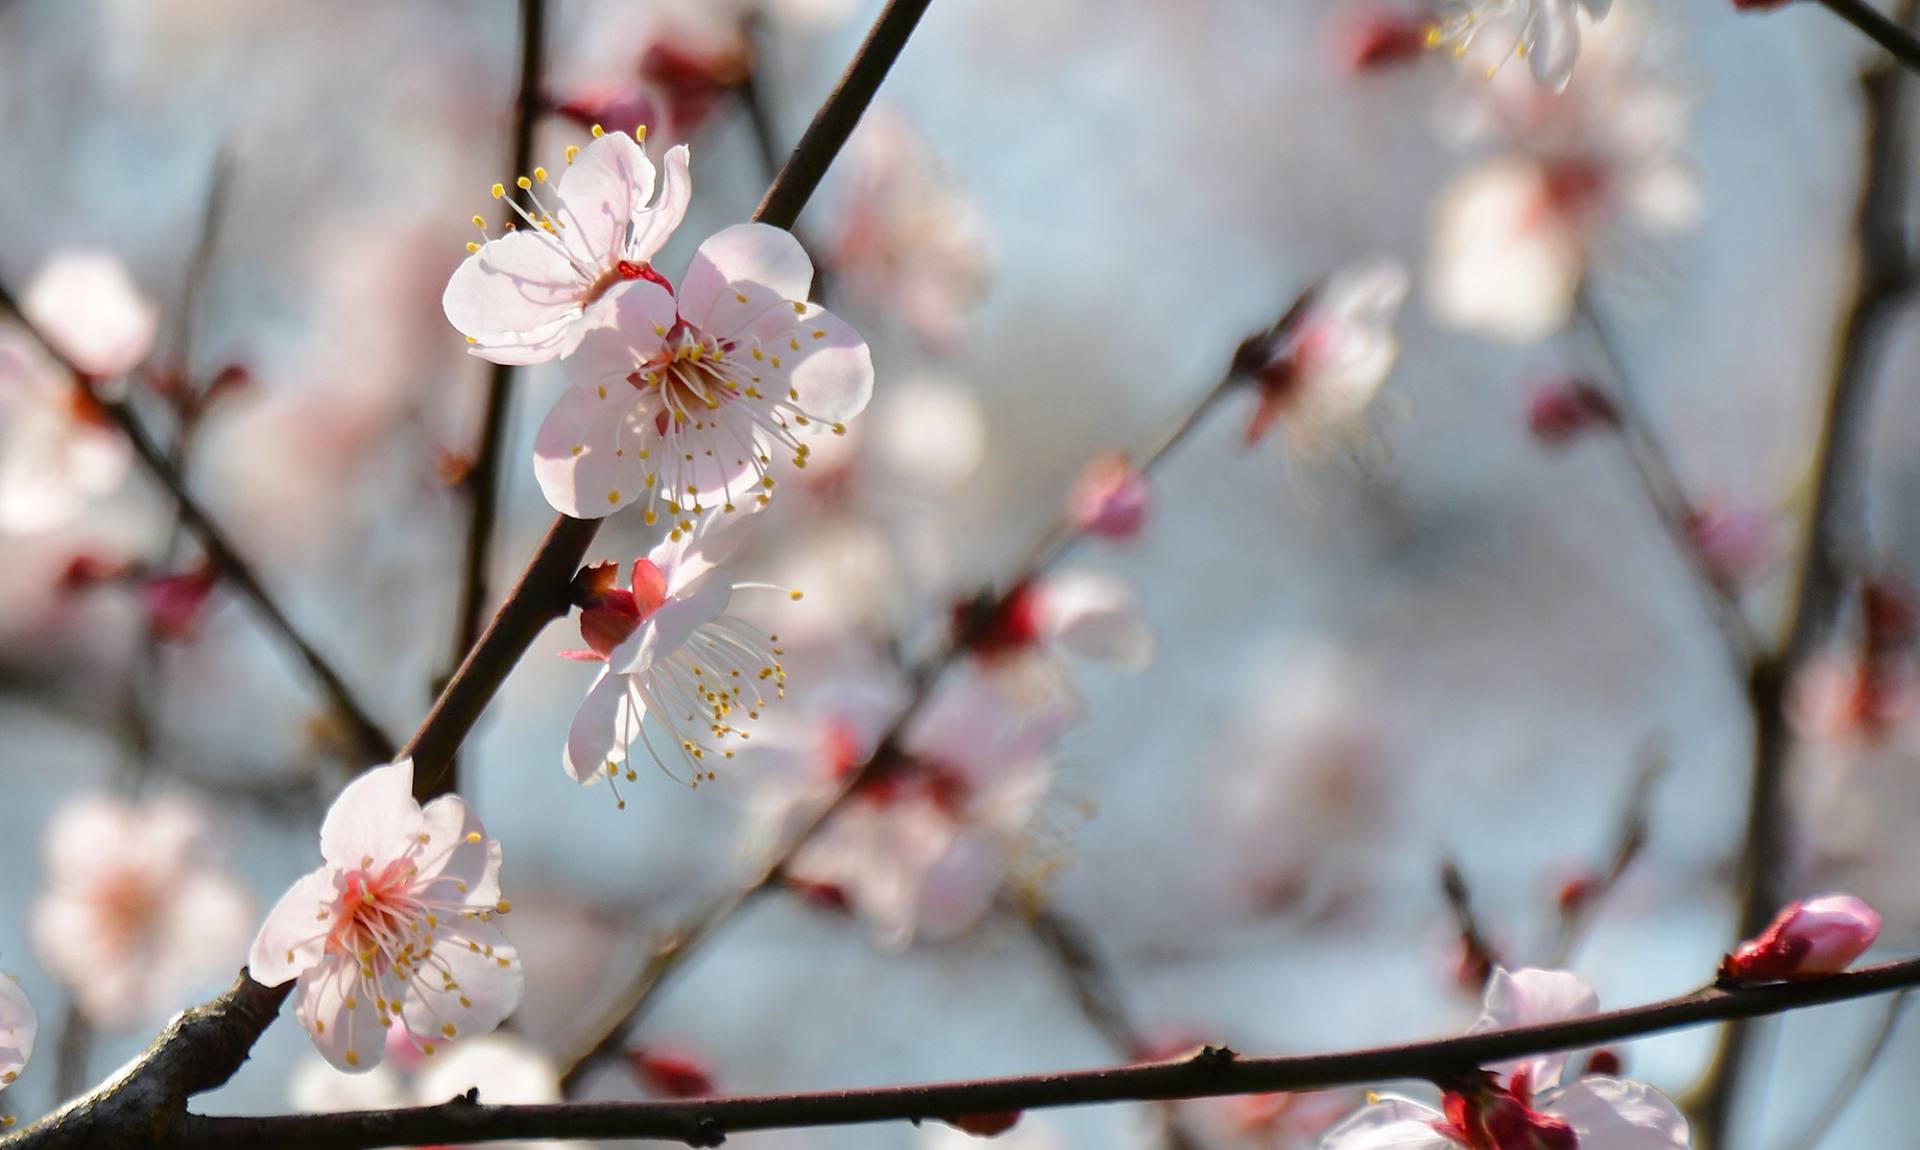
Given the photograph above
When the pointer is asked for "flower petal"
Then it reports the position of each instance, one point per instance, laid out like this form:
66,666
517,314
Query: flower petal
375,817
339,1010
480,985
826,362
1530,997
607,721
1389,1124
459,864
1613,1114
586,455
513,297
1555,42
692,554
294,937
1096,616
19,1026
505,1070
600,193
732,263
669,628
652,227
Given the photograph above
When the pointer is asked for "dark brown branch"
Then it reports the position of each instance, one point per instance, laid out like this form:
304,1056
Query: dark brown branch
371,740
1831,544
1889,34
482,480
1212,1072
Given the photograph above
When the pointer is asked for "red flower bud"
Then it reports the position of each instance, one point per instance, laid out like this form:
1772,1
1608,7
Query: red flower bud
674,1073
1380,38
986,1125
1561,411
1605,1062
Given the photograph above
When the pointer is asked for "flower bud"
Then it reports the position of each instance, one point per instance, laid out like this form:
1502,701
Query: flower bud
176,604
1110,499
1734,540
1811,938
986,1125
1605,1062
1561,411
1376,39
674,1073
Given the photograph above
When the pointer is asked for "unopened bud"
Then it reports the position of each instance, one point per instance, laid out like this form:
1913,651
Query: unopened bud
1605,1062
1376,39
1110,499
1561,411
1812,938
986,1125
674,1073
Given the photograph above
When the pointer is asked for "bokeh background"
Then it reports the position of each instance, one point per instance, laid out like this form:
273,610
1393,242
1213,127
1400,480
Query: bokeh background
1456,641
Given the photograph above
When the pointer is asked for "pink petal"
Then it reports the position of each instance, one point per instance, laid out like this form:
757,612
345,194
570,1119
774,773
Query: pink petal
1389,1124
349,1037
484,969
825,360
606,186
712,542
736,261
375,817
19,1026
1612,1114
455,865
1530,997
294,937
512,296
1097,617
669,628
607,721
586,455
88,306
653,227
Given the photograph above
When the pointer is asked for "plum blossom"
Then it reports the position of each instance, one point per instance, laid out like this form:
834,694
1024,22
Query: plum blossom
136,910
1812,938
910,239
1110,499
396,926
1486,33
1515,236
59,449
18,1027
683,399
523,296
88,307
1525,1103
673,655
969,808
1320,368
1078,613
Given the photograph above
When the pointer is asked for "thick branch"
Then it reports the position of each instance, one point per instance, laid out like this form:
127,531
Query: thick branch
1210,1073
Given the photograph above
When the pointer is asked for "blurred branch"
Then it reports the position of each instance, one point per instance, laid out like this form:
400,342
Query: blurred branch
220,550
1854,1078
481,484
1889,34
1479,953
1883,275
1635,817
1653,465
682,942
1210,1072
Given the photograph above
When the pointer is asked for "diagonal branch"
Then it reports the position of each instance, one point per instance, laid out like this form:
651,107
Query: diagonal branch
1212,1072
1889,34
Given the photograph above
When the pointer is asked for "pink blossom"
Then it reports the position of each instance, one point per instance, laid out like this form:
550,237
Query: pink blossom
672,655
18,1027
1812,938
395,927
86,304
1110,499
59,451
685,399
1486,33
523,296
1079,613
1525,1104
176,605
695,73
136,910
1321,367
1735,540
910,239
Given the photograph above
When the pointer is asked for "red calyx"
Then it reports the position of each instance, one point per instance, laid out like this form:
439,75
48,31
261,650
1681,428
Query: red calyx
991,629
986,1125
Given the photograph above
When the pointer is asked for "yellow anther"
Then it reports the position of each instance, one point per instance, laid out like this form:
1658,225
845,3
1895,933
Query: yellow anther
598,131
640,133
472,247
499,190
523,183
353,1057
796,596
480,222
473,836
539,175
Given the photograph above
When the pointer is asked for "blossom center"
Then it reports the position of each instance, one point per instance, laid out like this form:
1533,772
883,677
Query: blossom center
622,271
374,909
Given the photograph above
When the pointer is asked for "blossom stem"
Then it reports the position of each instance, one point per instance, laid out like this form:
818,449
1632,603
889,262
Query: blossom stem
1212,1072
1831,544
481,483
220,550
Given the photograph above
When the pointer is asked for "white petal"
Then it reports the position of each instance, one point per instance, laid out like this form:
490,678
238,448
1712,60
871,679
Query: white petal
513,295
668,629
82,839
19,1026
1503,261
338,1009
736,261
294,937
374,818
958,889
1096,616
1389,1124
825,361
1531,997
711,543
486,983
652,227
1612,1114
586,455
607,721
317,1088
1555,43
88,306
458,863
505,1070
601,192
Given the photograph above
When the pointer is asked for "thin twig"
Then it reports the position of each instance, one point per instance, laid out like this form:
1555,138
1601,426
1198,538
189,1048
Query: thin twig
1888,33
483,478
220,550
685,940
1212,1072
1479,953
1635,817
1854,1078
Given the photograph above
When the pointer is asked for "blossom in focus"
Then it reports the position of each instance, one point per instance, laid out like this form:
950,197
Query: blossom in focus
136,910
910,240
684,398
1318,371
1525,1104
673,655
1811,938
522,296
1110,499
1486,33
59,450
87,306
396,926
968,809
1514,236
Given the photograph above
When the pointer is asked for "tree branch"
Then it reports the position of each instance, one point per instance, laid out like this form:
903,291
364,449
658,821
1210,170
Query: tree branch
1212,1072
1889,34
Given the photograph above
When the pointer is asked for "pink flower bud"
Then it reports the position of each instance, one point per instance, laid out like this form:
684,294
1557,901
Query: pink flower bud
176,604
674,1073
1110,499
1605,1062
693,77
86,570
1812,938
1559,412
1734,540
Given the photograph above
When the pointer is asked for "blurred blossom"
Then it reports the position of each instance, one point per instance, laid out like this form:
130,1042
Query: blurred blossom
682,399
86,305
1485,34
1593,1112
19,1025
59,450
396,926
136,912
695,70
1735,540
1288,1121
176,605
928,841
317,1088
522,296
626,105
1845,699
802,14
929,434
1597,164
1027,637
671,1073
1298,798
1563,410
1811,938
1371,39
507,1071
910,240
672,654
1110,500
1321,367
